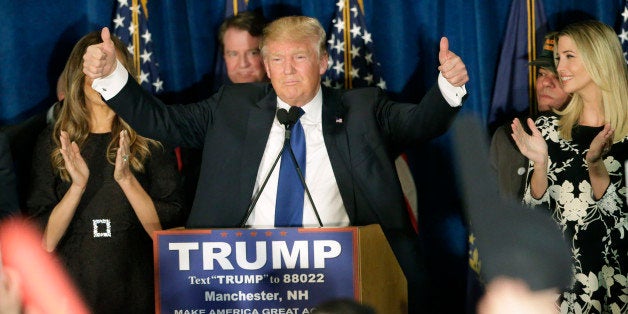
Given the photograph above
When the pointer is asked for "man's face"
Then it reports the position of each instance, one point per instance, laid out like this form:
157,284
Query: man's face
549,91
242,57
294,69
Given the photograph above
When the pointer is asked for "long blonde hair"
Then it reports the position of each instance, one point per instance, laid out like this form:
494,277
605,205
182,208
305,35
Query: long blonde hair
603,59
74,116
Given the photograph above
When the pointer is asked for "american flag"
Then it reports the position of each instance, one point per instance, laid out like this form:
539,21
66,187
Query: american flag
623,35
513,92
352,64
130,24
350,46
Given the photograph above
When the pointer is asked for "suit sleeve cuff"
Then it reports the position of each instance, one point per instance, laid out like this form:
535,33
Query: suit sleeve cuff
452,94
109,86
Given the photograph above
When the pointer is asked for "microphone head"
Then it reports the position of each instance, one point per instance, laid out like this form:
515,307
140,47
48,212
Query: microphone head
294,114
283,117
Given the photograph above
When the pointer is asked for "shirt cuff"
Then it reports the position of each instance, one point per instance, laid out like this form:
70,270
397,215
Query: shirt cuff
452,94
111,85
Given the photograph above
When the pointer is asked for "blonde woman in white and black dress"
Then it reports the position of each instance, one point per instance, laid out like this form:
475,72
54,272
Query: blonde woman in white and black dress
100,190
577,166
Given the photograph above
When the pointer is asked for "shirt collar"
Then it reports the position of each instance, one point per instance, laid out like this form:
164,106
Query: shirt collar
313,109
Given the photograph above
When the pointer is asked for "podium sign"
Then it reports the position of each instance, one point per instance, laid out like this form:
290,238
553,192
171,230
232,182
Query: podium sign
283,270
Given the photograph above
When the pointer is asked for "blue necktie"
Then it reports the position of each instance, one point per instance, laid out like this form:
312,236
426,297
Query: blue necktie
290,191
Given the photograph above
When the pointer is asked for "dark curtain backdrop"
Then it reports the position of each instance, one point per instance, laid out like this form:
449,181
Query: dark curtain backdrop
37,36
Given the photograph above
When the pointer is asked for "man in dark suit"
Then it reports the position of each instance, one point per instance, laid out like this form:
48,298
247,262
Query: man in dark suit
353,137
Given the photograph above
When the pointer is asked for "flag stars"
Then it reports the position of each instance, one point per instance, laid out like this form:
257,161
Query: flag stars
625,14
340,4
354,10
145,56
332,40
159,85
327,81
131,49
144,77
339,67
623,36
146,36
381,84
367,37
355,31
339,47
136,9
354,73
118,21
339,24
355,52
349,38
132,29
127,28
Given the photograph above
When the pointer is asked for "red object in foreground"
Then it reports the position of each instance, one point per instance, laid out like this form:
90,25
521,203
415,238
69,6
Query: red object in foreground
46,288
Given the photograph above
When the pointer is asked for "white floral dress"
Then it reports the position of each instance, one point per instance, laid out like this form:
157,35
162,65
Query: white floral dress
596,230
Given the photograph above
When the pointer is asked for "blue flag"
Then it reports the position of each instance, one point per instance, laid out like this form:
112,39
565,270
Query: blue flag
350,46
130,24
232,7
623,32
514,82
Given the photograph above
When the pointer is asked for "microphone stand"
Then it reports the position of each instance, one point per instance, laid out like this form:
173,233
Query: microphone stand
259,193
288,121
282,116
307,191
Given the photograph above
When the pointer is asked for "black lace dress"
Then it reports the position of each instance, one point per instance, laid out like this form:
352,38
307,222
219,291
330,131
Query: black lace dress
597,230
105,249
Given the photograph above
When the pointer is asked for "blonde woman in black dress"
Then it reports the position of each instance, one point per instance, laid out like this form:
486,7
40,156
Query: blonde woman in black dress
577,166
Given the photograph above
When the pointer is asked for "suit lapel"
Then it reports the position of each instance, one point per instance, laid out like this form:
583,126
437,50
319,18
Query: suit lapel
259,121
336,141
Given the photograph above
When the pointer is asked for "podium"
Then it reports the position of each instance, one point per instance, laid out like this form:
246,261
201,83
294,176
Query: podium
275,271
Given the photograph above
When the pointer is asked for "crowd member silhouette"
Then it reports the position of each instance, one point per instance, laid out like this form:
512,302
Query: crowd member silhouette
100,190
352,138
577,166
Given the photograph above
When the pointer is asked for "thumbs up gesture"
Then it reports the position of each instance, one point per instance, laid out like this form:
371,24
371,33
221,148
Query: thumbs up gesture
451,66
100,60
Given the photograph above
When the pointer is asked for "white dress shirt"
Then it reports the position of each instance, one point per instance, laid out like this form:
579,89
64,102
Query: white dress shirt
319,176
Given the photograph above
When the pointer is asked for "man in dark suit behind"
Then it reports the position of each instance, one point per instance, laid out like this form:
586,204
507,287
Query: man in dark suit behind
353,138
